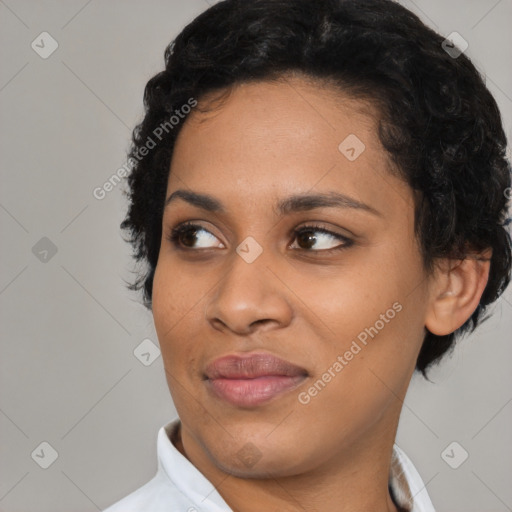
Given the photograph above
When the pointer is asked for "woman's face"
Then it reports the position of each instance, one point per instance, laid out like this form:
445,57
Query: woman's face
345,307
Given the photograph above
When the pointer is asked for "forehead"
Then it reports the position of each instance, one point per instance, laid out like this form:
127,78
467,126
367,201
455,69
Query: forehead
271,139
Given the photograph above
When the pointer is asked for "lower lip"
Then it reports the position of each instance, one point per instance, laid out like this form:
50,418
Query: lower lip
253,392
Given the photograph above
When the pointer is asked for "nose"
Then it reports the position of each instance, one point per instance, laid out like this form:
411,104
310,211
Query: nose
249,296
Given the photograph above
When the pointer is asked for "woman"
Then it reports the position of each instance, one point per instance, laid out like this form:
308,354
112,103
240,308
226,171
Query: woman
319,192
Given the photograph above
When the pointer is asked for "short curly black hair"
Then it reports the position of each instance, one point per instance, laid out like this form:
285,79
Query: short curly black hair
439,123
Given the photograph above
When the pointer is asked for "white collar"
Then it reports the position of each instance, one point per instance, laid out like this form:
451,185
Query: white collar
406,484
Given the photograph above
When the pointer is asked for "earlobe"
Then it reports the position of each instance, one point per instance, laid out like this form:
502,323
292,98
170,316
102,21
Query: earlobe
456,291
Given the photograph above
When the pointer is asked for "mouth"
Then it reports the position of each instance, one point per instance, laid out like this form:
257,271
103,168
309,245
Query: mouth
252,380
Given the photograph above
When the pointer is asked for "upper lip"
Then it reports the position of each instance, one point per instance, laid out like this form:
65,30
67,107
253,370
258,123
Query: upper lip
250,366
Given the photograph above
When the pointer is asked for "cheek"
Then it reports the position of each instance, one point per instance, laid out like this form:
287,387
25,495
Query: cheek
173,301
360,375
374,313
177,295
354,297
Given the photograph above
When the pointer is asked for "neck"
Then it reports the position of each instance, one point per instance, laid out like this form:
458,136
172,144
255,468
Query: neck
354,479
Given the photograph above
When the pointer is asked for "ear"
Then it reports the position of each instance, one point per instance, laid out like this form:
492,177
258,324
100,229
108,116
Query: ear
455,292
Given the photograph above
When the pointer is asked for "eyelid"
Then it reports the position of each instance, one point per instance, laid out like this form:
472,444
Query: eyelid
319,227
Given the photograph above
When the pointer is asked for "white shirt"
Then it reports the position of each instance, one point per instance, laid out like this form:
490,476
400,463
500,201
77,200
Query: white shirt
179,486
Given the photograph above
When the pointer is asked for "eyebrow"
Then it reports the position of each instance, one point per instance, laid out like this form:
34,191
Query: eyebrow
294,203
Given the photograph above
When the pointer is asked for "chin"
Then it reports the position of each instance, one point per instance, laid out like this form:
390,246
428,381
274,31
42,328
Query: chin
253,456
270,465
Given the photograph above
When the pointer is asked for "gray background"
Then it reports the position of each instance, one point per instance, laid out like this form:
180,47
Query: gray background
69,327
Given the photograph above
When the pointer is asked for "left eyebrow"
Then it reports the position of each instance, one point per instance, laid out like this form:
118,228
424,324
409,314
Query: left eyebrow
294,203
306,202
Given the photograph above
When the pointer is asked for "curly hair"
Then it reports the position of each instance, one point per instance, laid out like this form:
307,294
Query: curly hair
438,122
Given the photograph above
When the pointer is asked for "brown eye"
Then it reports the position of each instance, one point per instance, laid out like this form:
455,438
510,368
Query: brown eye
188,234
307,239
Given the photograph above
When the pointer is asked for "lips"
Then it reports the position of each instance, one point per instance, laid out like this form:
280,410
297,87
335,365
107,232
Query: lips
251,366
253,379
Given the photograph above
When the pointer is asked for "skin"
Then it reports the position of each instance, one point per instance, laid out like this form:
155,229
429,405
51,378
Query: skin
265,142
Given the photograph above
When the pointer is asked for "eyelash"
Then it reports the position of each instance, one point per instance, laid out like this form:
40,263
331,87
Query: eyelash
176,232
